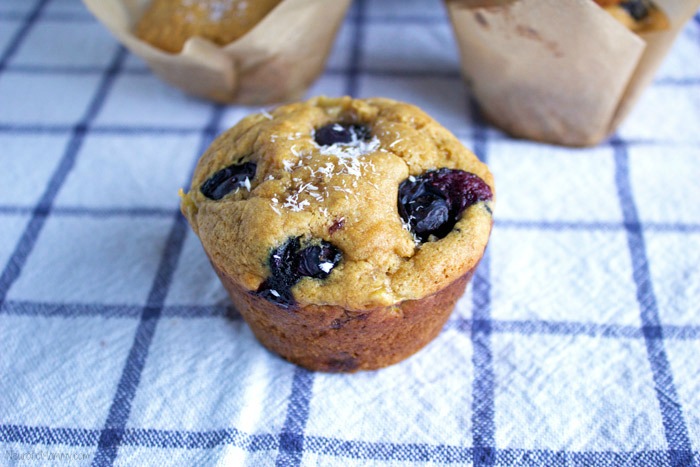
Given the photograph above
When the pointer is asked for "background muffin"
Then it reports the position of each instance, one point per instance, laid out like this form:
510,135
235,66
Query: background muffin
230,51
344,230
167,24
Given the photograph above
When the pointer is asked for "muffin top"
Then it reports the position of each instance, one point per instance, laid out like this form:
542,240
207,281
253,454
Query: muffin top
347,202
167,24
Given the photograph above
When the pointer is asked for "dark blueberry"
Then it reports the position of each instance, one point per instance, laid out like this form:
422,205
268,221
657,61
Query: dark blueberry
284,263
432,203
289,263
340,133
430,215
227,179
461,189
318,261
637,9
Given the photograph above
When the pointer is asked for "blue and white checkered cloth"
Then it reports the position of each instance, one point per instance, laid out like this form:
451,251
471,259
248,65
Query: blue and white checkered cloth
578,342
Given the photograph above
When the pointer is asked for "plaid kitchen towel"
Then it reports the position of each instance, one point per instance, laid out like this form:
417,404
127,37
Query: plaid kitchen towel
577,343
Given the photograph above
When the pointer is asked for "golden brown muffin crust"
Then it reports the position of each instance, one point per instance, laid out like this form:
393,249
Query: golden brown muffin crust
350,200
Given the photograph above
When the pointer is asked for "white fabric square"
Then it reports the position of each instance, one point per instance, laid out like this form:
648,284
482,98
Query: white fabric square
444,99
339,57
122,171
27,168
658,174
45,363
663,114
81,43
536,182
401,9
682,61
210,373
674,263
194,281
83,259
528,267
12,227
574,393
16,6
45,99
423,47
167,106
425,399
464,306
685,365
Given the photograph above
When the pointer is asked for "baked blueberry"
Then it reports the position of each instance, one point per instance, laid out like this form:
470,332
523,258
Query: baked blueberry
340,133
637,9
228,179
289,263
318,261
432,203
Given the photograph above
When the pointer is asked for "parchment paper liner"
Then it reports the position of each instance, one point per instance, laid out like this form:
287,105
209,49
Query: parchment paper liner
559,71
275,61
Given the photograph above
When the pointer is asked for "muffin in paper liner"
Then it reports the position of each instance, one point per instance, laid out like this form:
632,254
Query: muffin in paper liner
558,71
276,61
344,230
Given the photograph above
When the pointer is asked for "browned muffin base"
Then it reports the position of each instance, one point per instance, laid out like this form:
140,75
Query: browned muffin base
331,338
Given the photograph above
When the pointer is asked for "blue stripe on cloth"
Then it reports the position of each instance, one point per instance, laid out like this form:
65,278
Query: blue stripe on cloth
113,432
291,438
51,16
80,211
604,226
16,41
522,327
483,404
671,412
31,233
48,436
556,328
166,439
333,447
69,310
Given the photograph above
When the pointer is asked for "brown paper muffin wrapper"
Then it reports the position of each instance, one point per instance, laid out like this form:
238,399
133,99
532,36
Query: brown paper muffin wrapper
558,71
276,61
334,339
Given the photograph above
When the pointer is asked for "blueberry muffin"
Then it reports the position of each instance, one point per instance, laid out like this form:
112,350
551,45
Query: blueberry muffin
167,24
638,15
343,229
